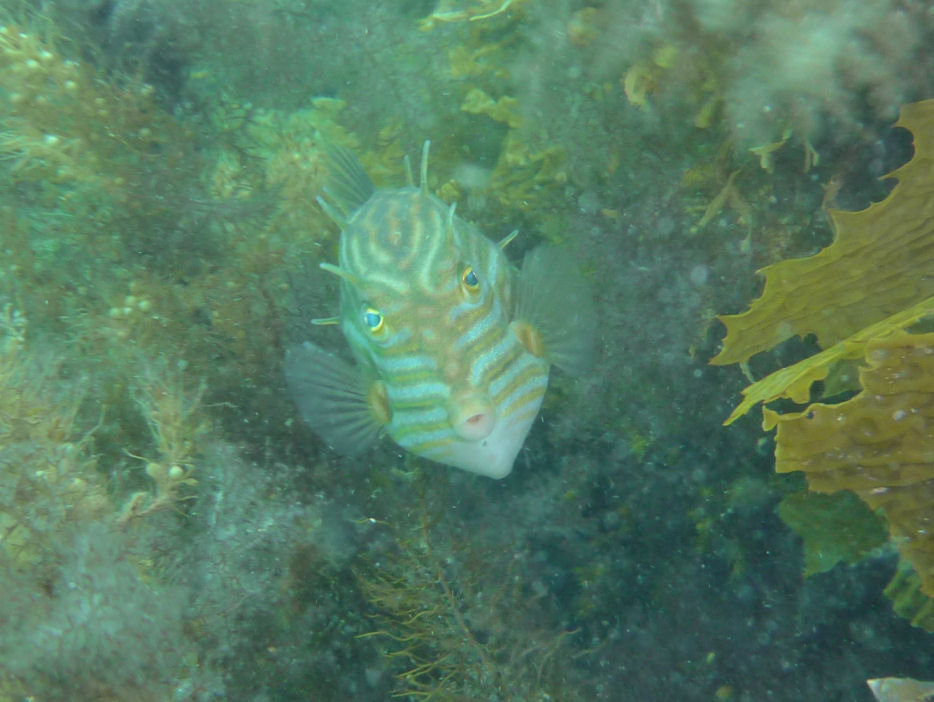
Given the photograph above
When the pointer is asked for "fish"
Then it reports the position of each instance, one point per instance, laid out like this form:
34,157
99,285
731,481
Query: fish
901,690
452,345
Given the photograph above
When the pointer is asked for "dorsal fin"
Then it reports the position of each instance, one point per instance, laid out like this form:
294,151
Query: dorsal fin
423,174
347,186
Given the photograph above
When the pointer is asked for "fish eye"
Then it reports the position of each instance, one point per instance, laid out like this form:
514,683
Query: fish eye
470,279
373,320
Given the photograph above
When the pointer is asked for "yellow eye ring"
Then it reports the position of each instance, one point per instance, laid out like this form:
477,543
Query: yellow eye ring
470,279
373,320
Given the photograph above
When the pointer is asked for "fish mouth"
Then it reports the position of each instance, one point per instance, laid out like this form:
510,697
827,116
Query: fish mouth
471,415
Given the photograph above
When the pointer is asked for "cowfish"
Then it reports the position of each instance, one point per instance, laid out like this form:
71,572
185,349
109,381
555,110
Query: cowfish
901,690
452,345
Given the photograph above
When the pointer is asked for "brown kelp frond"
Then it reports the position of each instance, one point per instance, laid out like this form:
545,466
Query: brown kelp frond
877,444
878,265
867,297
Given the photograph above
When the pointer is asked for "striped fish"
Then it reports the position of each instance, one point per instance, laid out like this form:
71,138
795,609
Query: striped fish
452,344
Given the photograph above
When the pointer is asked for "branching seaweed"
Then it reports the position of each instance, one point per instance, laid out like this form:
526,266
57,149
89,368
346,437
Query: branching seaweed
456,623
48,475
177,425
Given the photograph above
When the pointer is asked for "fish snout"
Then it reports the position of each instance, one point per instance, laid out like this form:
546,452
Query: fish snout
471,415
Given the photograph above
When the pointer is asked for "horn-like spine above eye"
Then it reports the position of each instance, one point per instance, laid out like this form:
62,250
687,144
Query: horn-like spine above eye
504,242
407,162
423,174
340,273
449,224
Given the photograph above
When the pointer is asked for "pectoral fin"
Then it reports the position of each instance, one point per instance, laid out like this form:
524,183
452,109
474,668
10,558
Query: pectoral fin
345,407
554,315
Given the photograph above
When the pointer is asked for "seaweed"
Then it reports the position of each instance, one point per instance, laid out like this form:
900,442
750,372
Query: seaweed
48,472
456,623
835,528
876,444
864,297
78,590
528,168
876,267
178,430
